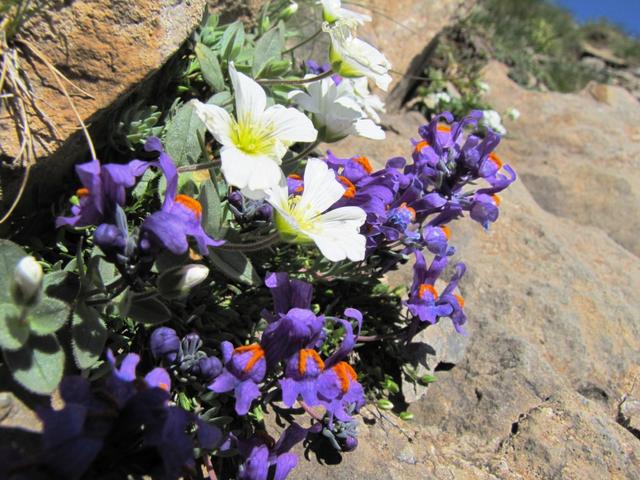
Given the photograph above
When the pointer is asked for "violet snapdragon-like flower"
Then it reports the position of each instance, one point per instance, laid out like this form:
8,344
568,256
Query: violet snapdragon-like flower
244,368
301,377
103,187
180,216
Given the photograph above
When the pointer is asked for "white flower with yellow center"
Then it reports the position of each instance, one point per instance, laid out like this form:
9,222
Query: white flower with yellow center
352,57
300,219
332,11
336,112
254,142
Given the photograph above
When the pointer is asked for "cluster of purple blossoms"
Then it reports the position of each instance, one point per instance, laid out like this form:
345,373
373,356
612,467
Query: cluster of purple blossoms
124,413
409,206
103,195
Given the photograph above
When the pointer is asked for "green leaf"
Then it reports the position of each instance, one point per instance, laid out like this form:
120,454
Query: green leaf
182,136
232,40
10,255
406,416
427,379
384,404
276,68
39,365
235,265
149,311
268,48
211,209
210,67
88,336
14,332
48,316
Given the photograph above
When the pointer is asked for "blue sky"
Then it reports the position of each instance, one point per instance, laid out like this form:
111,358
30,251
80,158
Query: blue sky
625,13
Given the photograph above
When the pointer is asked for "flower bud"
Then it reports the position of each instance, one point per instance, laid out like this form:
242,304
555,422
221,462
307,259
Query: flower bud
27,279
164,344
207,368
178,281
289,11
349,444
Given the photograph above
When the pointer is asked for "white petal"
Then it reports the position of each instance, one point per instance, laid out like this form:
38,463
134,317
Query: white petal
251,100
216,119
321,189
337,234
382,81
278,197
290,125
305,101
249,171
366,128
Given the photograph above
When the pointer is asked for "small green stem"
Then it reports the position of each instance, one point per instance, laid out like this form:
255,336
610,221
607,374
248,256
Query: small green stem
254,246
297,81
302,154
198,166
303,42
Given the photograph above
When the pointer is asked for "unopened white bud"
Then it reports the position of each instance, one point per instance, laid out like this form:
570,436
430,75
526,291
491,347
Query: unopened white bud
192,275
288,12
27,279
178,281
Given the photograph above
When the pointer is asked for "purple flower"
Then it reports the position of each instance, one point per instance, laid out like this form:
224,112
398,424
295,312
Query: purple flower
244,368
295,184
260,458
296,329
164,344
158,377
207,368
287,294
436,239
300,378
103,187
339,389
484,209
179,217
423,295
454,301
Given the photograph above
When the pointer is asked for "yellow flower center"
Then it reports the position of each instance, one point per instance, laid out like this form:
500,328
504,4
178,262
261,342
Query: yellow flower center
253,138
298,221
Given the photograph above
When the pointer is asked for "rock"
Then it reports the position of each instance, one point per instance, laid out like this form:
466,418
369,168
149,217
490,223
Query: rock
436,347
578,154
629,415
107,48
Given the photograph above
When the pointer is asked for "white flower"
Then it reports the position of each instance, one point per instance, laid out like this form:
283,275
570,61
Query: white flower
491,119
336,113
433,100
332,11
300,219
254,142
27,278
352,57
370,103
192,275
513,114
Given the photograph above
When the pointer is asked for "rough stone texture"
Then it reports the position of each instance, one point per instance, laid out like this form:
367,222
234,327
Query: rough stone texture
587,166
107,48
552,299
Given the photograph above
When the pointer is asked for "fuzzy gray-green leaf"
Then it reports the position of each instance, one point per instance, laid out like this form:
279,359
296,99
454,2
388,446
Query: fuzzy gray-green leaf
149,311
10,255
235,265
182,136
14,332
48,316
88,336
39,365
210,67
268,48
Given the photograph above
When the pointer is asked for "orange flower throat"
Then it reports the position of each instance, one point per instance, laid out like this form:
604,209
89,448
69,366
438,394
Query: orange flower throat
364,163
346,374
305,355
350,191
191,203
256,354
82,192
446,230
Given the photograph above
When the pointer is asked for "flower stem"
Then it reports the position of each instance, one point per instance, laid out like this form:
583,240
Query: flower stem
198,166
253,246
303,42
302,154
297,81
309,411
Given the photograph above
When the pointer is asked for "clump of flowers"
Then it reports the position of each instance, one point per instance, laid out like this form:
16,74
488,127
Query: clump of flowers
218,259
